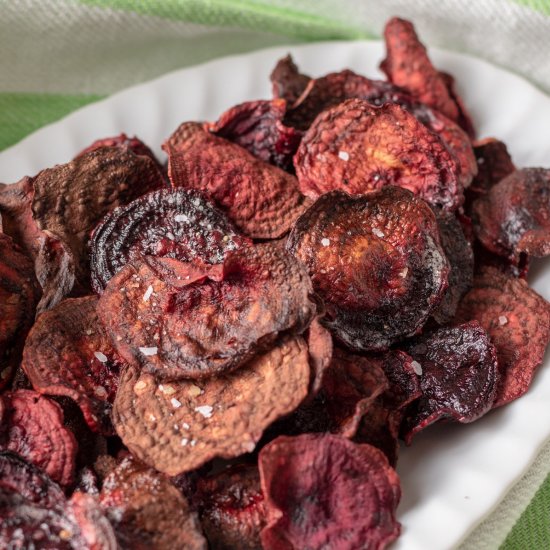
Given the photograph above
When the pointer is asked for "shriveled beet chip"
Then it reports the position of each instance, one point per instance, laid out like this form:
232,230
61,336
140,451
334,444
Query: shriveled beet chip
359,148
258,127
286,80
134,144
262,200
32,426
231,508
212,324
323,491
514,216
376,262
459,376
461,259
147,511
68,353
320,347
19,476
517,320
177,427
179,224
464,119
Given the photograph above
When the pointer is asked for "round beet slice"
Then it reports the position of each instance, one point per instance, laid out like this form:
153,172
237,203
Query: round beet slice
32,426
359,148
517,320
178,426
68,353
323,491
178,224
459,376
376,261
147,511
211,324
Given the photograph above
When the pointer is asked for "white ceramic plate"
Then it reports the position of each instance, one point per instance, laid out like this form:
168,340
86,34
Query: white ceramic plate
453,475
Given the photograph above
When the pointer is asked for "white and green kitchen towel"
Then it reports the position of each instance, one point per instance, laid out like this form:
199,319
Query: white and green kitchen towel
58,55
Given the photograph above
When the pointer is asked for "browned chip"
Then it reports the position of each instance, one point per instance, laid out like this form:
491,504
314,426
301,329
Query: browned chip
179,426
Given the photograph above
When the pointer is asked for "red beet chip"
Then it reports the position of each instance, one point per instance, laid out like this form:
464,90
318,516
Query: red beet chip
517,320
180,224
32,426
147,511
231,508
212,324
286,80
459,376
376,262
514,216
359,148
134,144
258,127
464,118
323,491
262,200
19,476
178,426
68,353
320,347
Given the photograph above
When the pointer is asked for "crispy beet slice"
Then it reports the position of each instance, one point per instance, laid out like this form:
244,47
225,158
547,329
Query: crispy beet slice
320,347
68,353
517,320
514,216
407,65
360,148
262,200
19,476
180,224
464,119
376,262
231,508
177,427
461,259
212,324
147,511
134,144
286,80
258,127
323,491
459,377
32,426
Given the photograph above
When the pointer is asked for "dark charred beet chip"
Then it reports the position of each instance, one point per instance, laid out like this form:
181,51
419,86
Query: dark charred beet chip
147,511
517,320
210,325
359,148
177,427
461,259
459,377
178,224
376,262
258,127
262,200
286,80
231,508
19,476
514,216
483,258
68,353
323,491
134,144
32,426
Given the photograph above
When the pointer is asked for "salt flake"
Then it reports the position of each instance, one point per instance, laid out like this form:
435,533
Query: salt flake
417,367
100,356
148,293
343,155
149,351
325,241
205,410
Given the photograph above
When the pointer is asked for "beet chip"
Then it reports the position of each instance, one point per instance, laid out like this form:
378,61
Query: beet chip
376,262
232,509
177,427
134,144
147,511
514,216
459,376
258,127
517,320
179,224
323,491
359,148
286,80
262,200
32,426
67,353
320,347
212,324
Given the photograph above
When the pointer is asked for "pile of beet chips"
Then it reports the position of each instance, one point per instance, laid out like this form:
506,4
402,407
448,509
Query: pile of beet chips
224,354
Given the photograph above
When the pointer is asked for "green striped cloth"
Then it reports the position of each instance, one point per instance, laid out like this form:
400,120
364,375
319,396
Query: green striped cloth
58,55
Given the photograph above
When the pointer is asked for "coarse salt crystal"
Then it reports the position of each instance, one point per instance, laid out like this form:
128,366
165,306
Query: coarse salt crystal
185,426
343,155
193,442
403,272
100,356
148,293
502,320
417,367
184,442
205,410
181,218
325,241
175,403
167,389
149,351
378,233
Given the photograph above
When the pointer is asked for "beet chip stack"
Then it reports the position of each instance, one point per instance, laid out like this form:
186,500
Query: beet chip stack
225,354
